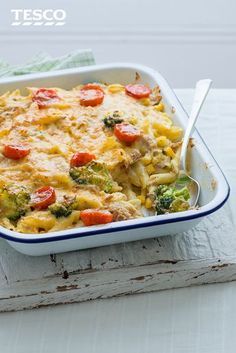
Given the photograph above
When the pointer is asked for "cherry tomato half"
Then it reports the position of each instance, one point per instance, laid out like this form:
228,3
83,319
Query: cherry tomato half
17,151
92,216
81,158
43,197
126,133
44,97
92,86
91,95
137,91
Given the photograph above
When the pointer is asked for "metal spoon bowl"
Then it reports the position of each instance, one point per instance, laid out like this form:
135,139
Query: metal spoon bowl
201,91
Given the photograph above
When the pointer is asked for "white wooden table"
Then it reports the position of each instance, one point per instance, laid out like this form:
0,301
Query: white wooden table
200,319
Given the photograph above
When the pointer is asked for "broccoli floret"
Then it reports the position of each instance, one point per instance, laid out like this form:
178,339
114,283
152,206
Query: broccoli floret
183,193
78,175
170,199
159,209
161,189
111,120
165,201
59,210
14,203
64,208
179,205
93,173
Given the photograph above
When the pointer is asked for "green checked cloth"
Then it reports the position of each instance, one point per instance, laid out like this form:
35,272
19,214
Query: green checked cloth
44,62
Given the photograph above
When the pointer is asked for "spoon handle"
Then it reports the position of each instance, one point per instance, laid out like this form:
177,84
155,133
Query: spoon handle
201,91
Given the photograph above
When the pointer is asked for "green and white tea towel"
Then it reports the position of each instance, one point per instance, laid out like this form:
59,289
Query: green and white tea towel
43,62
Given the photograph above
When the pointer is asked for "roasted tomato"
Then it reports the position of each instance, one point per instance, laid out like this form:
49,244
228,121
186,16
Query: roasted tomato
16,151
91,95
43,197
92,216
45,97
126,133
81,158
137,91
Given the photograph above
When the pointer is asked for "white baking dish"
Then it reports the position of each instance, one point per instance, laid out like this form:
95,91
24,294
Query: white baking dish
214,193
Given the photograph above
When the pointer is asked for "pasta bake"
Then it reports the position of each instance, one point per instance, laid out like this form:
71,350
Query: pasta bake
91,155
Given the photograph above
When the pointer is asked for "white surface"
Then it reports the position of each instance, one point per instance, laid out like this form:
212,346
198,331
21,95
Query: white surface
171,36
211,198
194,320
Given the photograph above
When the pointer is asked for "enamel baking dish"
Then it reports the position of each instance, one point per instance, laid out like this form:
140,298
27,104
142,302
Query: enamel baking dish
214,187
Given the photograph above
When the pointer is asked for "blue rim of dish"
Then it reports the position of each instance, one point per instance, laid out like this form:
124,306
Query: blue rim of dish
196,215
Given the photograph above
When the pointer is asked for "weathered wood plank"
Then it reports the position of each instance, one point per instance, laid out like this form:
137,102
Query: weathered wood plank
93,285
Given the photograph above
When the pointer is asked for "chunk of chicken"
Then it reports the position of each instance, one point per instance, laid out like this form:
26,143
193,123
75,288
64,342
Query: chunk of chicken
133,155
123,210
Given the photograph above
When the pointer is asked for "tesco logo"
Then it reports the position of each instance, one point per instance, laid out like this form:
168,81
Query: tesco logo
38,17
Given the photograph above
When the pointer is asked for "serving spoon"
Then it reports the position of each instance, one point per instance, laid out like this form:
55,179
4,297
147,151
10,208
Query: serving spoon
201,91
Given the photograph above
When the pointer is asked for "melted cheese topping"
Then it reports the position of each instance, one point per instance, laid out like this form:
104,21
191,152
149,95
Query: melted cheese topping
65,127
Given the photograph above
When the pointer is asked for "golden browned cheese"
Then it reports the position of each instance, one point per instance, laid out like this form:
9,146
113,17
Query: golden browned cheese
55,133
